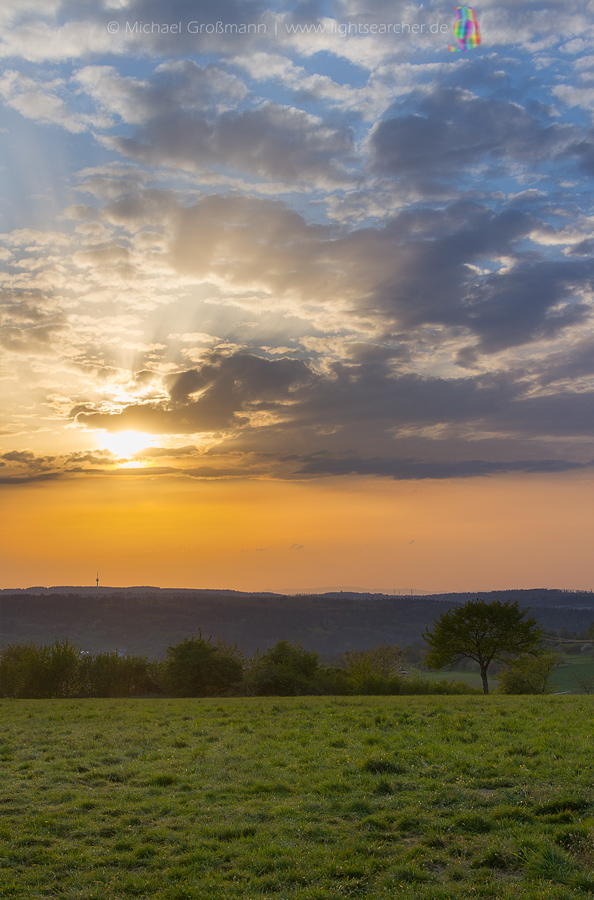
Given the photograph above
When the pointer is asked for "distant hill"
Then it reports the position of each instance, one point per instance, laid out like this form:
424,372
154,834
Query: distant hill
144,589
147,619
534,597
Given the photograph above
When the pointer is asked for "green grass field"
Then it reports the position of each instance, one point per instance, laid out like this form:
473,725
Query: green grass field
318,798
564,678
471,678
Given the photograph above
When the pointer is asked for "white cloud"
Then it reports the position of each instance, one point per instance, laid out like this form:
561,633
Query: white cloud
40,42
178,84
41,102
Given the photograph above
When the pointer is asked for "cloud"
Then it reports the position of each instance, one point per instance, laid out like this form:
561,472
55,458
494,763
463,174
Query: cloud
34,32
569,364
418,269
214,472
27,479
29,323
41,102
221,394
190,117
272,141
407,469
566,412
451,131
179,84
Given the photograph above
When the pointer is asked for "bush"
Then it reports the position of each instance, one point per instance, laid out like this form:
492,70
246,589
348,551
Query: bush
12,661
417,684
59,670
383,660
45,672
285,670
529,674
111,675
197,668
378,685
334,680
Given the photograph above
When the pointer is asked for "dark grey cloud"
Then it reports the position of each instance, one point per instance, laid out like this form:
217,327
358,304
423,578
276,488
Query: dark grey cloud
370,397
275,142
181,84
413,469
583,248
583,151
450,130
334,421
26,465
533,301
29,478
565,413
433,279
25,461
369,394
222,393
19,456
569,364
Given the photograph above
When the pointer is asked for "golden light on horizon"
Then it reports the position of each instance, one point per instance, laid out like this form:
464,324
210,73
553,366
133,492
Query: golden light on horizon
174,531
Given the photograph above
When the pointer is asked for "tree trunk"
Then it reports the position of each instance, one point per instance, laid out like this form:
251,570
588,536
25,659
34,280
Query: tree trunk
485,682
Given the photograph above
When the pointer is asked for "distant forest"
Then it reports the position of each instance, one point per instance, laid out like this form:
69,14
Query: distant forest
148,620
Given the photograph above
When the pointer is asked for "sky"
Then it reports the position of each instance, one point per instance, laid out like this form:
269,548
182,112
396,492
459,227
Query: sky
294,297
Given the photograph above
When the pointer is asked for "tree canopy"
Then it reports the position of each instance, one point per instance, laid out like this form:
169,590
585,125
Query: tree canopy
483,632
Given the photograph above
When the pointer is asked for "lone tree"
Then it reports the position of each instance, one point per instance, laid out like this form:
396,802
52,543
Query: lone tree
483,632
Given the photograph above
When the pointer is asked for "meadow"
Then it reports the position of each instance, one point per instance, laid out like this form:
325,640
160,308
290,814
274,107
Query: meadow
573,675
575,669
301,798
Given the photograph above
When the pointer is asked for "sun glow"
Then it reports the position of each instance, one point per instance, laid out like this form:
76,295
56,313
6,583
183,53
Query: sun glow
125,444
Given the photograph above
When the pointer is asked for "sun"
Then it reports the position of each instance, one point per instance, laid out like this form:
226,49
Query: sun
125,444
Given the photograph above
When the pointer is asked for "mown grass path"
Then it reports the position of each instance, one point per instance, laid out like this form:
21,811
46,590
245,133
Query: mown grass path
298,798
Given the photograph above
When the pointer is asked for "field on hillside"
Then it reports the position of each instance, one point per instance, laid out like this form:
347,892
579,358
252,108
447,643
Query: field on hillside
298,798
576,671
576,668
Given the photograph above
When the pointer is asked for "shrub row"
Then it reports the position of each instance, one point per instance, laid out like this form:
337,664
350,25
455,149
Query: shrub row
63,670
199,668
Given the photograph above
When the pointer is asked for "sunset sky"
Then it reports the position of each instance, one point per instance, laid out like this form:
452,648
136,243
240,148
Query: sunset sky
294,298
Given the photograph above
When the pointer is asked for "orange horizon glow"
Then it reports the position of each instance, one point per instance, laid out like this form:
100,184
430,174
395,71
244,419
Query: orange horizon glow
432,536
